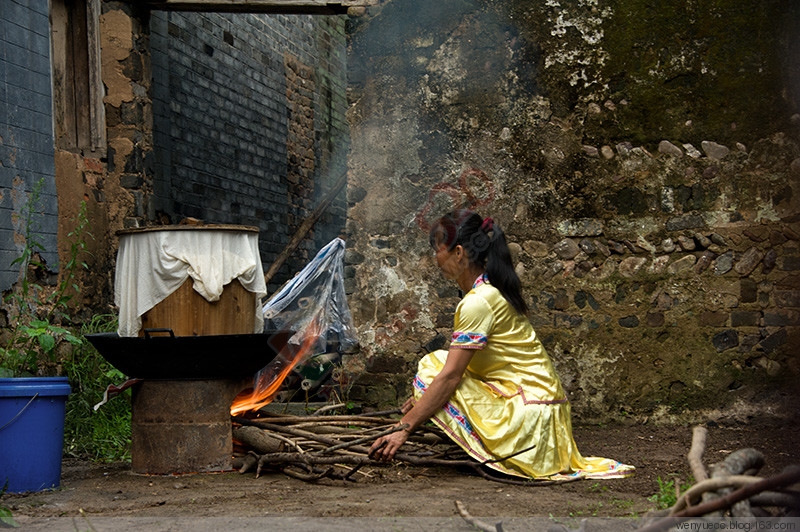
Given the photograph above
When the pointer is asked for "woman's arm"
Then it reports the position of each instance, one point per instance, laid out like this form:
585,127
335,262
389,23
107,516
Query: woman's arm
434,398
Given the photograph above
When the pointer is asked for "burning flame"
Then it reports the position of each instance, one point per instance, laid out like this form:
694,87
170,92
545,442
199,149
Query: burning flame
268,382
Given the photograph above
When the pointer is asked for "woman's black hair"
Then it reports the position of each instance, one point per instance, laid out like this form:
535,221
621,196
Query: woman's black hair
486,246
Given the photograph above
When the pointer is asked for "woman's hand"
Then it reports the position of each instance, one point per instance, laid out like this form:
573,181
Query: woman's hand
384,448
415,413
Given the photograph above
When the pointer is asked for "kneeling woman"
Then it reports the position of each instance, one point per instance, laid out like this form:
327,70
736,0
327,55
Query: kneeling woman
495,391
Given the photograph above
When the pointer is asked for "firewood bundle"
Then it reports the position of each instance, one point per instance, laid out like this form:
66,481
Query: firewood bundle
337,446
731,489
332,446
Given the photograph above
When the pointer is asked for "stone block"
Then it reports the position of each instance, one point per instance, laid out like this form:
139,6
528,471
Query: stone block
714,318
566,249
687,221
748,262
655,319
714,150
788,263
683,264
131,181
745,318
748,291
668,148
630,266
787,298
566,321
775,340
561,300
781,318
705,260
725,340
724,263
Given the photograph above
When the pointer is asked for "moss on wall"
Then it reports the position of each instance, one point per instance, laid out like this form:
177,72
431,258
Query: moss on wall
683,70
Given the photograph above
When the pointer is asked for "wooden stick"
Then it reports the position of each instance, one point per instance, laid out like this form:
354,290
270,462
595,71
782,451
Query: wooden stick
352,472
305,227
289,441
328,408
312,459
338,423
711,484
322,419
695,456
365,439
357,454
308,477
289,430
480,525
785,498
381,413
257,439
778,481
248,462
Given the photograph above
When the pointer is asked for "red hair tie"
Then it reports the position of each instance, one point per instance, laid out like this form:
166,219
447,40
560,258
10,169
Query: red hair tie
488,224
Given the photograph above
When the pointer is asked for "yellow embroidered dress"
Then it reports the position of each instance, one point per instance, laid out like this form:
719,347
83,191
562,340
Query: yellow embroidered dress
510,397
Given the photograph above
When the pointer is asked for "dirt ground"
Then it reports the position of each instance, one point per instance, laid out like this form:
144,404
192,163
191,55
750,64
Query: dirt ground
396,497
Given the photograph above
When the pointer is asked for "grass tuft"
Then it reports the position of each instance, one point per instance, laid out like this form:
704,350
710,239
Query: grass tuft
103,435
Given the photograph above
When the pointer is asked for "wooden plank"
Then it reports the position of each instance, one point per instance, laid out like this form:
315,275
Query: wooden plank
300,7
80,73
97,112
63,119
188,313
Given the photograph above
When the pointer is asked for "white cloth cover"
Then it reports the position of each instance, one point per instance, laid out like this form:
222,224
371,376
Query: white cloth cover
151,265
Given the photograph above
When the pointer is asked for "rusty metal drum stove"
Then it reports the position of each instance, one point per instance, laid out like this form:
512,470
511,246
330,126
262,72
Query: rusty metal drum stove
191,356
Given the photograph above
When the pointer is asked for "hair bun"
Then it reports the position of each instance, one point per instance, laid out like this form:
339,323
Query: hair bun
488,224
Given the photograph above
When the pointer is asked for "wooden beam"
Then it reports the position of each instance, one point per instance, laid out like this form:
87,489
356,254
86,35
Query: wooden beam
305,227
97,112
287,7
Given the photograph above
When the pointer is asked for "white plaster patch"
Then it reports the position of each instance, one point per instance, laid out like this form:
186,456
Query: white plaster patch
386,282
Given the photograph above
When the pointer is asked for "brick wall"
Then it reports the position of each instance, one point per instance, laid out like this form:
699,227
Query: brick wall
26,132
249,123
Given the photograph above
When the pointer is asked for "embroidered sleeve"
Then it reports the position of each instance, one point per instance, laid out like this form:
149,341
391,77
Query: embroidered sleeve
473,323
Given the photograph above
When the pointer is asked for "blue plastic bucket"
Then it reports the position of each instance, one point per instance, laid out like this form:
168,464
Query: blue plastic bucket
32,432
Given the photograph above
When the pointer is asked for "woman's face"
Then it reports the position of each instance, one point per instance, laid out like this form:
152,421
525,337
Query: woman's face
450,261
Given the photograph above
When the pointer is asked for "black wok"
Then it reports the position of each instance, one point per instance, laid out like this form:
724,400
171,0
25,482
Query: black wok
165,356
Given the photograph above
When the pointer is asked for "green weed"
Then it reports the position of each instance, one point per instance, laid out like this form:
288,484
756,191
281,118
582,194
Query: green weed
667,494
37,313
103,435
6,519
43,341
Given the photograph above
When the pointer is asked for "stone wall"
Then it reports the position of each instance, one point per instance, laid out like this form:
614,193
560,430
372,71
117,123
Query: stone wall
643,164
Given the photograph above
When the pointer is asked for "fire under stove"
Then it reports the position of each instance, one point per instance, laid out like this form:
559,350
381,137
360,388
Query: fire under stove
180,407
